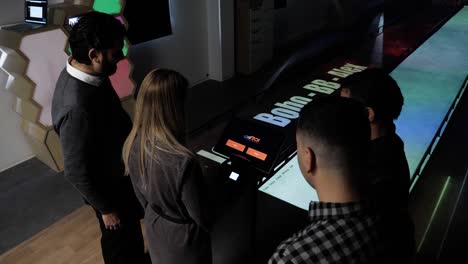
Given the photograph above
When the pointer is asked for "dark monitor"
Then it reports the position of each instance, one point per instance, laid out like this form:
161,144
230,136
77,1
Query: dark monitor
147,20
252,142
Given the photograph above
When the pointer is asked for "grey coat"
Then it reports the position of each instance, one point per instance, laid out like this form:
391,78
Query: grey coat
176,209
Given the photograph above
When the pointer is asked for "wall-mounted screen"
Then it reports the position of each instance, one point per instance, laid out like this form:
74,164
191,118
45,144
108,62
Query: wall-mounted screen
147,20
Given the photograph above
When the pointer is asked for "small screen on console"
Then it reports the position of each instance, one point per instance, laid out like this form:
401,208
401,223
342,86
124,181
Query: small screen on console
250,141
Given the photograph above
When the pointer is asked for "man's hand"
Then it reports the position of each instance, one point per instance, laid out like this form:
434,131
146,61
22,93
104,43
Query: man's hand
111,221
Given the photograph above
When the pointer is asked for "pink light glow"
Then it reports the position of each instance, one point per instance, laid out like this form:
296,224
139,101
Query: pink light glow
120,18
121,81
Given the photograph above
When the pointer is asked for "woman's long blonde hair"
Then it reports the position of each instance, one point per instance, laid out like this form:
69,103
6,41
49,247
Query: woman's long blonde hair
159,119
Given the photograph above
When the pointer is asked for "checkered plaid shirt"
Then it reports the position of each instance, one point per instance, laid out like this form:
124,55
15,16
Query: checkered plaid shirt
339,233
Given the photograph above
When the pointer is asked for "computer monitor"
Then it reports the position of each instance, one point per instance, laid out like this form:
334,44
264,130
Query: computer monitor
36,11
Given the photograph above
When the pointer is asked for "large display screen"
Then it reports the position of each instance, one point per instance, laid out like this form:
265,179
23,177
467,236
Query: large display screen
431,81
289,185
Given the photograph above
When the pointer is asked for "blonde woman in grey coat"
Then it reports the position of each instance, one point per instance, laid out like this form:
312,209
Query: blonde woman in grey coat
166,176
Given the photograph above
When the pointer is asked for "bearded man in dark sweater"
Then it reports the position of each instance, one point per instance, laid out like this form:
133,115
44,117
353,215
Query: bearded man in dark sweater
92,126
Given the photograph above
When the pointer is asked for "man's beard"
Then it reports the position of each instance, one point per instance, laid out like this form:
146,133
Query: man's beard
109,68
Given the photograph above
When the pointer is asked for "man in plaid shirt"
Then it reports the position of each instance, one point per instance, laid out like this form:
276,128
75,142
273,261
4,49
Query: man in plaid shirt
332,144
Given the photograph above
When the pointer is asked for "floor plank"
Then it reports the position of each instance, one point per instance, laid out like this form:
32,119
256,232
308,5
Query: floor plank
73,239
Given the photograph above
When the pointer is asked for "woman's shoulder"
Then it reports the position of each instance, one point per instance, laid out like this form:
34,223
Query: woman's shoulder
163,157
179,159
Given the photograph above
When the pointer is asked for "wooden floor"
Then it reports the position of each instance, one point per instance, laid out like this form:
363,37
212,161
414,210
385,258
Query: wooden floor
75,239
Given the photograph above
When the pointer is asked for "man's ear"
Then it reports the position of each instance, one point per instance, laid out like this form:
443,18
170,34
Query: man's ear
94,55
310,161
371,114
345,92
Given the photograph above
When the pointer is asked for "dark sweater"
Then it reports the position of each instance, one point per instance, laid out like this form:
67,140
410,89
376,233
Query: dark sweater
92,126
390,179
389,170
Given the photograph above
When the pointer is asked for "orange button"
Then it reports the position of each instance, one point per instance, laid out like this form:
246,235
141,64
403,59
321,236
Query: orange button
256,154
235,145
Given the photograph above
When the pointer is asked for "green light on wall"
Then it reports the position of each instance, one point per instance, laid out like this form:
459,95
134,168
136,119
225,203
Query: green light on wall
108,6
125,48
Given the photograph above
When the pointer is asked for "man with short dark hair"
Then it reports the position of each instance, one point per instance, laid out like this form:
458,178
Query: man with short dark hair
332,146
388,167
389,170
92,126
